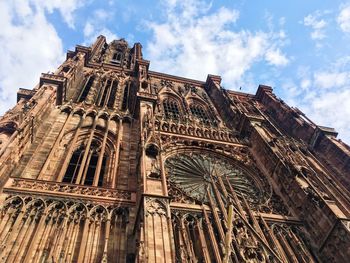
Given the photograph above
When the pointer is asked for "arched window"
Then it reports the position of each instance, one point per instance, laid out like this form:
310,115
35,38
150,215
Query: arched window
171,109
199,112
87,173
117,57
74,166
107,93
104,93
86,89
111,99
125,97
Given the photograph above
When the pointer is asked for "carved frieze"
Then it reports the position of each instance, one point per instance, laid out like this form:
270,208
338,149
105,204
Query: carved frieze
195,129
37,187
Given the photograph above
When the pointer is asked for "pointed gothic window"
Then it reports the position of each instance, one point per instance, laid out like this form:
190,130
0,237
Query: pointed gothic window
117,57
74,166
199,112
85,173
104,93
125,98
111,99
86,89
171,109
107,93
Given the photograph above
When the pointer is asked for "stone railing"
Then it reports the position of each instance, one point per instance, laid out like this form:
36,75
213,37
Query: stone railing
193,128
67,190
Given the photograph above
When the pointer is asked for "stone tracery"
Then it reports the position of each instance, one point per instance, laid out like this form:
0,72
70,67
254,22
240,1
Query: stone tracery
59,230
193,173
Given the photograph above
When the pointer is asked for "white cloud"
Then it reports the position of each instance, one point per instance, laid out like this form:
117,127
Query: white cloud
275,57
88,29
343,19
282,21
331,108
199,43
324,96
317,24
95,26
305,84
102,14
328,80
91,32
29,45
65,7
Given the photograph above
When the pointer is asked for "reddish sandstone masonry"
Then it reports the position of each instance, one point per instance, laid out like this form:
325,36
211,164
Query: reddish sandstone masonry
107,161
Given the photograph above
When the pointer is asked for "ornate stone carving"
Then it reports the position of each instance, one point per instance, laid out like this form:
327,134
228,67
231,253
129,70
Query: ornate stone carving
155,206
61,188
178,195
166,83
194,128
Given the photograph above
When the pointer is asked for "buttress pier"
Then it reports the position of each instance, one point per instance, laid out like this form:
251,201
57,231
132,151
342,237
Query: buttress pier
107,161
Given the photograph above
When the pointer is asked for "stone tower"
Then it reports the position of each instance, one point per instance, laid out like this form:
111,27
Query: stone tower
106,161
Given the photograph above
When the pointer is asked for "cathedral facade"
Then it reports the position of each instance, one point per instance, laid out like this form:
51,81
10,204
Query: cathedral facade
107,161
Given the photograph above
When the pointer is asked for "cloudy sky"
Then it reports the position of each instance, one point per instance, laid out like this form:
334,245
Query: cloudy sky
300,48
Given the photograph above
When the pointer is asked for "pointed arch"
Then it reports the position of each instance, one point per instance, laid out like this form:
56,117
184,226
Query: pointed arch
172,107
200,111
90,160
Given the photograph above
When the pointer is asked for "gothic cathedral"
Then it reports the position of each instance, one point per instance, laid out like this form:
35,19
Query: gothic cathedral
107,161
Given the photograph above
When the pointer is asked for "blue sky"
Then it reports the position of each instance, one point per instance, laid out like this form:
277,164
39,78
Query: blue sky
300,48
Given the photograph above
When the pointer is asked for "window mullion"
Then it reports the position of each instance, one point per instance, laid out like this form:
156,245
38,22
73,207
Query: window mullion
88,145
85,168
100,157
78,164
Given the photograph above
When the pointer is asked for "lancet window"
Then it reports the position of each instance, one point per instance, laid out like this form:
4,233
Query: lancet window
104,92
171,109
113,92
117,57
84,167
91,152
86,89
125,97
107,93
192,240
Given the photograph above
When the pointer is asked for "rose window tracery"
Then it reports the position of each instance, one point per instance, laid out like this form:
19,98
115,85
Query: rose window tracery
194,173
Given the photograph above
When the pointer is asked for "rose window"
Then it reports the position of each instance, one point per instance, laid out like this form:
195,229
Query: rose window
194,173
